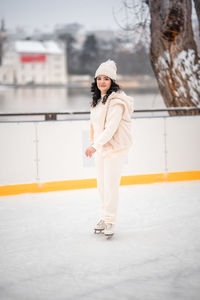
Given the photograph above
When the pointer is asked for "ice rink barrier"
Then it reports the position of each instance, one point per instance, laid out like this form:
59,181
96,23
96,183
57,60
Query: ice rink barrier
49,156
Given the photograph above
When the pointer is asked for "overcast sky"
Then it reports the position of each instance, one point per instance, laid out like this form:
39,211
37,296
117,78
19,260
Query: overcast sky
45,14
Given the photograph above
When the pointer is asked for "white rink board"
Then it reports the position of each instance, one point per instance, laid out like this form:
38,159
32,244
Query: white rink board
17,153
54,150
183,143
61,151
146,155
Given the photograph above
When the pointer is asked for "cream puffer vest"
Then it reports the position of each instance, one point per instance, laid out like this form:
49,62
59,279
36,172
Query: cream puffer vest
122,138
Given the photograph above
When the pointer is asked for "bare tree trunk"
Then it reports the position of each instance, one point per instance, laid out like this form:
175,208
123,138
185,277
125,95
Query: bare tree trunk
173,53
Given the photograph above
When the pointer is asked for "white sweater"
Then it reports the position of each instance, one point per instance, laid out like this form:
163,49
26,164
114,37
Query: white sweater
112,123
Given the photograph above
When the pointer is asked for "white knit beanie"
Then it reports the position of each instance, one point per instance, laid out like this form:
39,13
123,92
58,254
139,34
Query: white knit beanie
107,68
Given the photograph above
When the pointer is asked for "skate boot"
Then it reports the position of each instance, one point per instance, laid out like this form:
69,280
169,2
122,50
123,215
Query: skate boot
109,230
99,227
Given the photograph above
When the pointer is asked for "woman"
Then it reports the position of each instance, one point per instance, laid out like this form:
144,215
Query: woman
110,135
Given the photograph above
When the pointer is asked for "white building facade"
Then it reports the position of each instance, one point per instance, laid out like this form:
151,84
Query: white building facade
34,62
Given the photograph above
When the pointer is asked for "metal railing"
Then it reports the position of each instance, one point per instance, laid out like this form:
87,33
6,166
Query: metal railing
54,115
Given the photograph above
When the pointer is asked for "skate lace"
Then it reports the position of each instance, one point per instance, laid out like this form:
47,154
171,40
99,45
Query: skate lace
108,226
101,222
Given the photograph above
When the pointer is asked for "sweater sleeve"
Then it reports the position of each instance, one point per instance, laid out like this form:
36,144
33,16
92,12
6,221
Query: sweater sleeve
114,116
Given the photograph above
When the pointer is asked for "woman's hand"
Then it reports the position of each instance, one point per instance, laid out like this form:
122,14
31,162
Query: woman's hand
90,151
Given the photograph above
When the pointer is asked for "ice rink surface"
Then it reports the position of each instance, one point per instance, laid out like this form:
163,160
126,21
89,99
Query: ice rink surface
48,250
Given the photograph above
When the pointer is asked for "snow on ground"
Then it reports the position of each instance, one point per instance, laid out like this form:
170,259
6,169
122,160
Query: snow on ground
48,250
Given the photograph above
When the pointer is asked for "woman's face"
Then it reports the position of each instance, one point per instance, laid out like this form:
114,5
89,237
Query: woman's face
103,83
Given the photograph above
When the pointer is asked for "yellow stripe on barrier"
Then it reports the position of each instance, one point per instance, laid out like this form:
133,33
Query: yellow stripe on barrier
160,177
7,190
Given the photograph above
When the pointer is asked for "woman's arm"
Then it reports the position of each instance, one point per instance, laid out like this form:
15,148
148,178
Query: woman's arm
91,150
91,133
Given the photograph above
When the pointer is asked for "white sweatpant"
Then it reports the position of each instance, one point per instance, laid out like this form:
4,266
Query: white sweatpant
108,179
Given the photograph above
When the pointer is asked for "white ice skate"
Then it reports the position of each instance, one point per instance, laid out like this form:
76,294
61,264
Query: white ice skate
109,230
99,227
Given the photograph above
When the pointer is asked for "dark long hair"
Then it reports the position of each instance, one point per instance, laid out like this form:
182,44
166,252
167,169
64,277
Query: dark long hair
96,94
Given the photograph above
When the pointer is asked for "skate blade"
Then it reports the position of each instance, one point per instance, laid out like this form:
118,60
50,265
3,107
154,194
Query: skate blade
109,236
98,231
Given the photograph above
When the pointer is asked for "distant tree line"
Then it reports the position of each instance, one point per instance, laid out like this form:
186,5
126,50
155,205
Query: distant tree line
85,59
